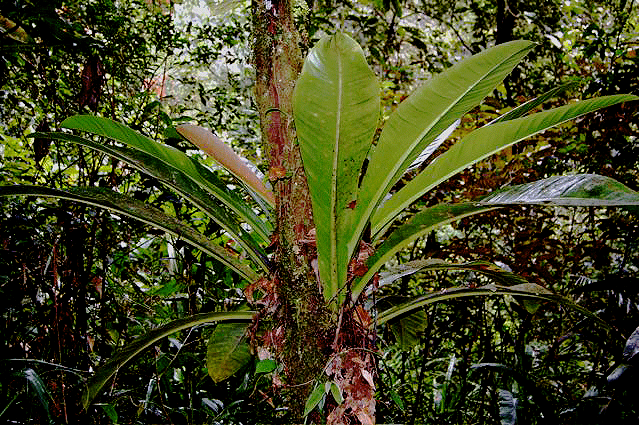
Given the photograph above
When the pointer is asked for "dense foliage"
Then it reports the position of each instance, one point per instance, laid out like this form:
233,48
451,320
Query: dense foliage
79,283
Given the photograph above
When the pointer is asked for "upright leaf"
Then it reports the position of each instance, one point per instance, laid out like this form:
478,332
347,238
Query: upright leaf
480,144
425,114
336,107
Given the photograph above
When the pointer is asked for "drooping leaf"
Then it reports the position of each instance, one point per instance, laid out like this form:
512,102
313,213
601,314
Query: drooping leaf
531,290
576,191
186,187
479,145
40,389
170,156
419,225
124,205
336,110
494,272
104,373
228,350
425,114
223,154
507,408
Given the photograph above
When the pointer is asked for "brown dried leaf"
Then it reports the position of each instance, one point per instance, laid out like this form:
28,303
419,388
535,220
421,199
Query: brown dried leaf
223,154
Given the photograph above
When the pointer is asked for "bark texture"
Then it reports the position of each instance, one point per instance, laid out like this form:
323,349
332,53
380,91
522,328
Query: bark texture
302,324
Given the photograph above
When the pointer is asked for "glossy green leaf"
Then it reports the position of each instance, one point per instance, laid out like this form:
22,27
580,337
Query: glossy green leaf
171,157
336,107
186,187
315,398
425,114
479,145
104,373
265,366
575,191
228,350
337,393
124,205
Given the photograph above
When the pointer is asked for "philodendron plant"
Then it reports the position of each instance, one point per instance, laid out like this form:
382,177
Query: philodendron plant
352,178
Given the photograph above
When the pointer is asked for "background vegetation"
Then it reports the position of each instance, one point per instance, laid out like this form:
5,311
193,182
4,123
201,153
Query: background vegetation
78,283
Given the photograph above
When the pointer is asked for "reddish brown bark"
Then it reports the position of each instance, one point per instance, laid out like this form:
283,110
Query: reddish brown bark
302,328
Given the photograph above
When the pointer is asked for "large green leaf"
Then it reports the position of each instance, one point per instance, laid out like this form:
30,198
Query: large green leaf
529,290
575,191
425,114
228,350
532,104
171,157
336,107
187,188
481,144
104,373
121,204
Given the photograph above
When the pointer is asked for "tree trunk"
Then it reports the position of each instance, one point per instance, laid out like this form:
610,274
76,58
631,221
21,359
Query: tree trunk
302,323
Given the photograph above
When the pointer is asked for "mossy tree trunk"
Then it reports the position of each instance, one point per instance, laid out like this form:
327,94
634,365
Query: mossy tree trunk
302,326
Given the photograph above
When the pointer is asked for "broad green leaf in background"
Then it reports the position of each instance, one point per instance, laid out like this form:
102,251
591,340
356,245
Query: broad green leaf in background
186,187
425,114
228,350
104,373
170,156
336,107
121,204
481,144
